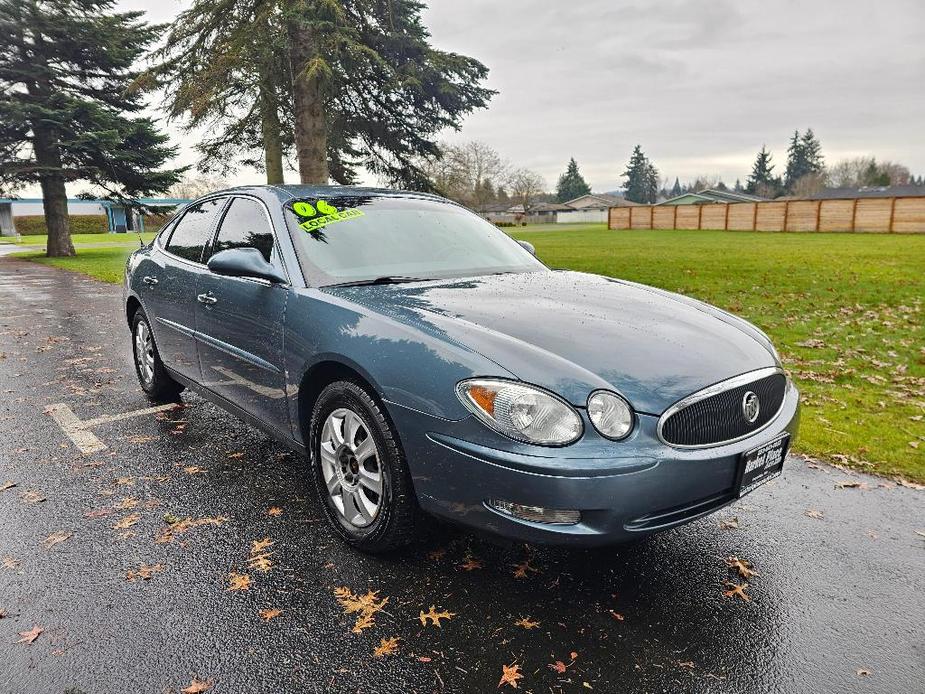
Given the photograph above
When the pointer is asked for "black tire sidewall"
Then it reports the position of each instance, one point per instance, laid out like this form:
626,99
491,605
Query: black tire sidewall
162,386
377,535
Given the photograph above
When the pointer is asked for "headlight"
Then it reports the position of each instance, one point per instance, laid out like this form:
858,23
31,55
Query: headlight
610,414
520,411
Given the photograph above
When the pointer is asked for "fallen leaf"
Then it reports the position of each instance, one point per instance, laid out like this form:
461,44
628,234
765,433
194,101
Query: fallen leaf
913,444
143,572
523,569
257,546
437,554
170,533
260,562
510,674
616,615
434,616
275,511
729,523
9,484
526,623
126,481
471,564
235,455
56,538
10,563
386,647
743,567
98,513
367,605
127,522
194,470
197,686
850,484
557,666
736,589
813,513
32,497
423,659
31,635
910,485
687,663
127,503
268,614
863,673
238,582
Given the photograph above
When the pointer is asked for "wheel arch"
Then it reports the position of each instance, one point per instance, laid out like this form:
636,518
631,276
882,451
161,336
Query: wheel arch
131,308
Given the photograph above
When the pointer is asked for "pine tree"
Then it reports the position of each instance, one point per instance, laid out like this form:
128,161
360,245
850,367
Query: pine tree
804,157
641,178
571,184
762,172
66,88
812,152
369,89
676,188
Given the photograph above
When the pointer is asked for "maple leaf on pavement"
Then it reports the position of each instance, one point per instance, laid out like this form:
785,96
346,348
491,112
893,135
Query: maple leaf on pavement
526,623
127,503
261,562
32,497
257,546
435,616
367,605
56,538
729,523
509,675
197,686
557,666
237,582
268,614
30,636
10,563
736,589
523,569
127,522
275,511
813,513
143,573
743,567
386,647
471,564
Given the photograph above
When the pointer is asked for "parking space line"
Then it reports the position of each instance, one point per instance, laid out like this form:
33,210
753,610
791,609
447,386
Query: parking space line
78,430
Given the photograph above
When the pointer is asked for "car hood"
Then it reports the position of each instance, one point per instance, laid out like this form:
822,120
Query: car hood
573,332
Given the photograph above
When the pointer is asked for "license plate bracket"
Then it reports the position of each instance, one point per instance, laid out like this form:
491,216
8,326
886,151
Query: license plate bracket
762,464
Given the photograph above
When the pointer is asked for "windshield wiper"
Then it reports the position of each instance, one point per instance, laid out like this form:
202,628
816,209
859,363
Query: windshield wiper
385,279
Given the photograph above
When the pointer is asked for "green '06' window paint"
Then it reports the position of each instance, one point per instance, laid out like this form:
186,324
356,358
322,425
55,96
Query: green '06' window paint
322,213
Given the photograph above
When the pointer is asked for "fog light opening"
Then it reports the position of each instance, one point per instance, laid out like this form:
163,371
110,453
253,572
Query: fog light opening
535,514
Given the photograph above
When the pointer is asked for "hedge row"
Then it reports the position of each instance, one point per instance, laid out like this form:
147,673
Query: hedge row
34,224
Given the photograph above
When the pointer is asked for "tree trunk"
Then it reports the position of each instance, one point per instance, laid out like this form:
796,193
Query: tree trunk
311,135
272,140
54,194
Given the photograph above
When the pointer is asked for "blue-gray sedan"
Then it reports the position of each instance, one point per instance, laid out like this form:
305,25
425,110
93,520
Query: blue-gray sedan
426,363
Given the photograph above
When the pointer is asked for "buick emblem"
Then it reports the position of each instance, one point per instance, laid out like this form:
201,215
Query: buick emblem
750,407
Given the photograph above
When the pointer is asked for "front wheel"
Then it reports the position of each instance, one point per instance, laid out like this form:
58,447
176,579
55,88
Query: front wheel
360,471
152,376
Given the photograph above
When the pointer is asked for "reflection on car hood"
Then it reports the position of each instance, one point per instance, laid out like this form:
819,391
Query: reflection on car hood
572,332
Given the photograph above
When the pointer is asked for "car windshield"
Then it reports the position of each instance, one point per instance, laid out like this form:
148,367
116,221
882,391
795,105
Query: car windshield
365,238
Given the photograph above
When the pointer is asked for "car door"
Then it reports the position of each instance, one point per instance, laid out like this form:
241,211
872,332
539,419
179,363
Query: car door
239,321
169,282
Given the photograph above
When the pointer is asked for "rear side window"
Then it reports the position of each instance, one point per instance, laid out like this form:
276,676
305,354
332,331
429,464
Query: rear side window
191,234
245,225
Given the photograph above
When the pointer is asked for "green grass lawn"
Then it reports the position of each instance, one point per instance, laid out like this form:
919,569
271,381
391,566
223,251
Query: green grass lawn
103,239
844,310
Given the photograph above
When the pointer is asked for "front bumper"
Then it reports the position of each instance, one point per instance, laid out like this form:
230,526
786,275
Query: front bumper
623,489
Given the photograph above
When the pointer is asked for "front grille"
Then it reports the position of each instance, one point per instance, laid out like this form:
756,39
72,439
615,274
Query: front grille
715,415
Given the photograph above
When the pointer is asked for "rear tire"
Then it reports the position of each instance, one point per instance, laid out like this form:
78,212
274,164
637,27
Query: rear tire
360,473
152,375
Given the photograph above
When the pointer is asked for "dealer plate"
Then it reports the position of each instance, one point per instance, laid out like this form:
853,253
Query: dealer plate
762,464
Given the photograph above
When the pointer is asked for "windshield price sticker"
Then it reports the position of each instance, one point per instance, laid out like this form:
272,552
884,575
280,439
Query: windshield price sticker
321,214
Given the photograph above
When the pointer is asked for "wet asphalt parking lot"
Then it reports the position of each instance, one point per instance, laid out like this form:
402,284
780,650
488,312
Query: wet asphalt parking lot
133,566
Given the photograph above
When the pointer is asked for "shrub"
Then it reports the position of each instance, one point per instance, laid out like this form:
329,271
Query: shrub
34,224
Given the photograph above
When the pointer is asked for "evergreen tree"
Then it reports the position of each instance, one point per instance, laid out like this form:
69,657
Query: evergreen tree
676,188
66,68
641,178
738,186
225,69
804,157
762,172
571,184
812,152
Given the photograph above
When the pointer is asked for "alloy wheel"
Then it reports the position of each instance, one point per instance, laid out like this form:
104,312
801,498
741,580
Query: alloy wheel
144,352
351,467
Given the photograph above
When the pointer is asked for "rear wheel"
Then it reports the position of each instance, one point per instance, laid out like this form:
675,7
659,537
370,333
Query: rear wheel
152,376
360,472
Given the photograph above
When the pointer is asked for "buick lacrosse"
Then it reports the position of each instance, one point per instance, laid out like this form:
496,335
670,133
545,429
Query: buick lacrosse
427,363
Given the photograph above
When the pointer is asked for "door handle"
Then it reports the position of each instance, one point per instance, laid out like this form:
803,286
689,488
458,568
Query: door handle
207,299
147,279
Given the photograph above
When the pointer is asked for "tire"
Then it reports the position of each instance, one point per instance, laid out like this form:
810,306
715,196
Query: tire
345,472
152,376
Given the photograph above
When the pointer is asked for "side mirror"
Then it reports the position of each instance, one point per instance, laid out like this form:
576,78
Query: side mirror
528,246
244,262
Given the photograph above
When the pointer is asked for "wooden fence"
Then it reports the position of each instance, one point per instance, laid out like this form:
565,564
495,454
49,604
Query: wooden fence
873,215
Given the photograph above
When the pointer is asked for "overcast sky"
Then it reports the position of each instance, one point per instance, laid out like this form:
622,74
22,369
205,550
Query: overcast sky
700,85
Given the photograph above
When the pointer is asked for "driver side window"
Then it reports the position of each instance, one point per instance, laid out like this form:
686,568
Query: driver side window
245,225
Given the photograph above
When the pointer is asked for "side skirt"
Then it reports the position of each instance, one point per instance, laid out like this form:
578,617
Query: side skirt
246,417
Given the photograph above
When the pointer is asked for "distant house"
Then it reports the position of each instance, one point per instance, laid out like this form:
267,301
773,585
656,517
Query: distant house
709,196
118,217
850,193
591,208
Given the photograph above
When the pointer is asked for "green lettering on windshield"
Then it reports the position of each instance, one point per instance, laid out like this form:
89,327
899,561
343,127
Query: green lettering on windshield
321,214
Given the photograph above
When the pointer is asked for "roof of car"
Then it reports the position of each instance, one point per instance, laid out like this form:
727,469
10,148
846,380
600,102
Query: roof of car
288,192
